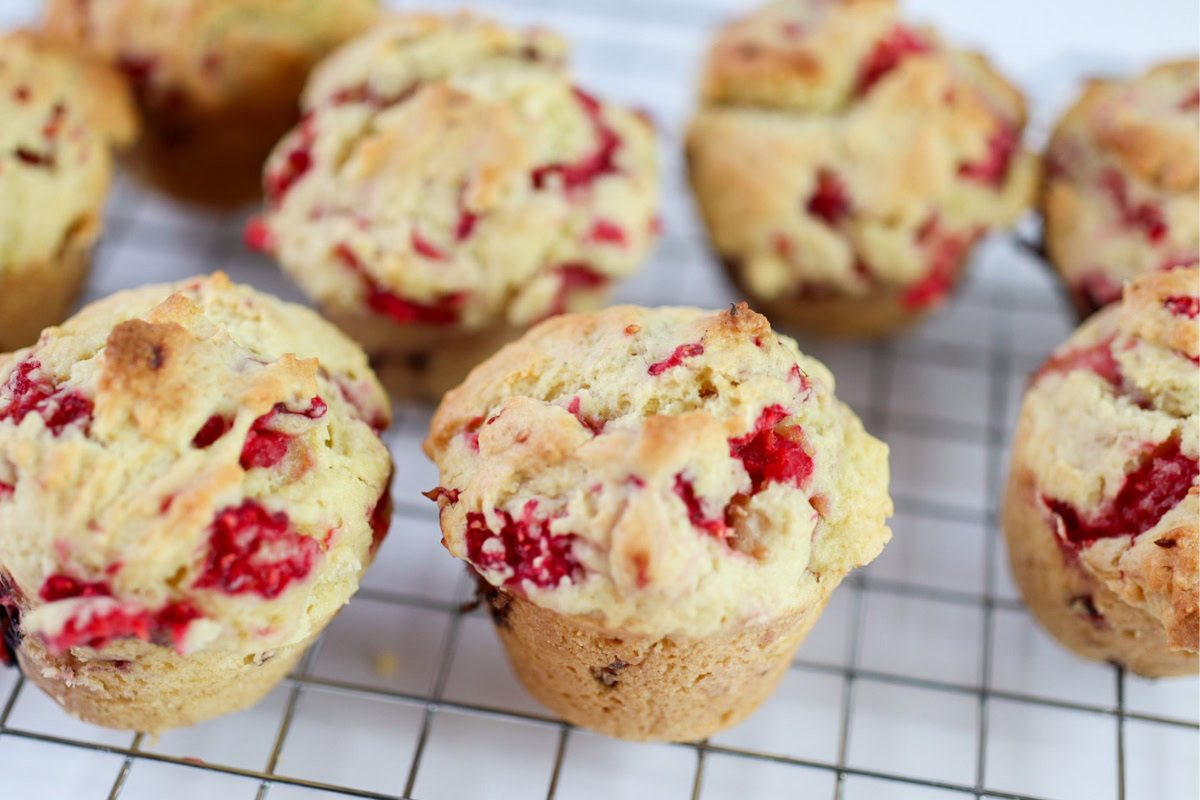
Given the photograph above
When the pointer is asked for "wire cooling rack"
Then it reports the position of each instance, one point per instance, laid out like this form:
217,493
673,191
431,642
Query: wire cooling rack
924,679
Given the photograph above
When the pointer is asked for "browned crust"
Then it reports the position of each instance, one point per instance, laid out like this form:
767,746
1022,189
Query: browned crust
143,687
36,296
645,688
1062,595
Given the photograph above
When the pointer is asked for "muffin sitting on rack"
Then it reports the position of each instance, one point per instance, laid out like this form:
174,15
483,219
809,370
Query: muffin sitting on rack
216,80
191,485
845,163
59,118
1104,492
658,504
1122,190
448,187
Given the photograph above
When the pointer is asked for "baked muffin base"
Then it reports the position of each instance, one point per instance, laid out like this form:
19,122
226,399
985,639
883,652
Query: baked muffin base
646,688
1076,608
876,315
143,687
38,295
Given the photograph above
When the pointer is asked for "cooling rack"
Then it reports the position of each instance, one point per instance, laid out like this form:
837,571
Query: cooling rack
924,680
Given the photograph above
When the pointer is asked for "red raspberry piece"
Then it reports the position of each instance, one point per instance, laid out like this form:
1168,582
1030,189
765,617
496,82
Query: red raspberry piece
1156,486
527,548
687,493
1098,358
605,232
58,408
21,94
1190,102
426,248
442,312
946,254
676,358
887,55
6,490
297,162
251,550
258,236
993,167
1183,305
265,447
471,433
54,122
466,225
574,277
34,158
829,201
602,161
61,587
1147,215
770,453
214,428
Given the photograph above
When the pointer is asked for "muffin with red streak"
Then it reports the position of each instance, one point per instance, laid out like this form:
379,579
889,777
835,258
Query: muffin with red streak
449,186
657,504
191,485
1122,191
62,115
845,162
216,81
1104,490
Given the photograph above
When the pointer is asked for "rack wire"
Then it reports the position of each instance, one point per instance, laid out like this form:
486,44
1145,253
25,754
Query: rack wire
995,710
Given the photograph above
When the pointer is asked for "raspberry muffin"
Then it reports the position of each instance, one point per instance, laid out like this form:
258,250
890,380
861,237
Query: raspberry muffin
1102,504
61,115
217,81
1121,192
658,504
191,484
448,187
845,162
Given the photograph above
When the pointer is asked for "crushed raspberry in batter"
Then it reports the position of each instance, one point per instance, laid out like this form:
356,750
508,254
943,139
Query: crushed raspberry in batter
258,237
605,232
772,455
676,358
1191,102
265,447
1154,488
574,277
887,55
596,426
471,433
829,201
993,167
601,161
61,586
1146,215
1183,305
213,428
946,253
298,161
525,546
58,408
687,493
6,490
1098,358
426,248
252,550
442,312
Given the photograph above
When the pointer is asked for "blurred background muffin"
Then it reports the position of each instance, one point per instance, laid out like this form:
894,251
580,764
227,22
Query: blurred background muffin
845,162
449,186
217,81
60,117
1120,197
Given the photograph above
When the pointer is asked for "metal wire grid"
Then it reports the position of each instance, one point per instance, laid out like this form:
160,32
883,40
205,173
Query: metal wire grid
132,229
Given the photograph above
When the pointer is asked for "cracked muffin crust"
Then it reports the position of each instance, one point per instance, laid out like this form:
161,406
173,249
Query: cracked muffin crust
672,491
216,80
845,162
448,187
62,116
191,485
1121,195
1102,504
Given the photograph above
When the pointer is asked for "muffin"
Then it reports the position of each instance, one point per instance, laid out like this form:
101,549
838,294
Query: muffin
61,117
1102,504
845,163
658,504
448,187
217,81
1120,197
191,485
